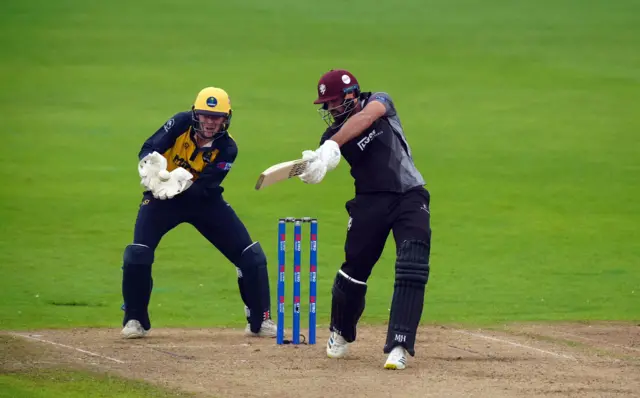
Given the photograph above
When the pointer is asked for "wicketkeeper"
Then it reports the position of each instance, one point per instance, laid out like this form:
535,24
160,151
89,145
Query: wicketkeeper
182,166
364,127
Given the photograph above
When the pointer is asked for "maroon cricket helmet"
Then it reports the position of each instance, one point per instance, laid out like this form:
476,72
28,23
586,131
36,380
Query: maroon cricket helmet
335,84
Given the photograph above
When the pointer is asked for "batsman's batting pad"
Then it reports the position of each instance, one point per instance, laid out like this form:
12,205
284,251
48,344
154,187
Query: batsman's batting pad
137,283
255,285
347,305
412,274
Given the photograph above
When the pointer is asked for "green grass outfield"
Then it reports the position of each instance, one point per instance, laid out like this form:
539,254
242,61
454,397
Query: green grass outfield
76,384
522,116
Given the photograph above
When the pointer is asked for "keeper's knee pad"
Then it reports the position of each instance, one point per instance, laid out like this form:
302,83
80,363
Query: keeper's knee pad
138,254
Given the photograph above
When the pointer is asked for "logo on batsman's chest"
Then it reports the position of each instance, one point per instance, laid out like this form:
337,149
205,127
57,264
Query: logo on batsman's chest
364,141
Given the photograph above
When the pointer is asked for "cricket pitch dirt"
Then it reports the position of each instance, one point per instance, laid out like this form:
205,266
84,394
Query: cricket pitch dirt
516,360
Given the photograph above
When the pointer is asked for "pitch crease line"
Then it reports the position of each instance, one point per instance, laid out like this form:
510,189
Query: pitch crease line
69,347
513,343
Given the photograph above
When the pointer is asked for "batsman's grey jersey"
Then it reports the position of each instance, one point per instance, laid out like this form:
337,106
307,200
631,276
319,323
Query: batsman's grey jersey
380,157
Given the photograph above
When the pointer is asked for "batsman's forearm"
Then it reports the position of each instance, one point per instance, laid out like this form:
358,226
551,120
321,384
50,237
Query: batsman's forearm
352,128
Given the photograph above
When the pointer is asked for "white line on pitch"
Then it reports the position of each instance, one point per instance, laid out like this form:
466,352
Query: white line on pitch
599,341
68,346
513,343
181,346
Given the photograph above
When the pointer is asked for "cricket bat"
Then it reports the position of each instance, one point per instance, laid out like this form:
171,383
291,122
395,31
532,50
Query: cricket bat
280,172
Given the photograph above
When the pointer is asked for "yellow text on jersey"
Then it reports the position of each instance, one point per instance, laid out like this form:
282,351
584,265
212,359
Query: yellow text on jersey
184,153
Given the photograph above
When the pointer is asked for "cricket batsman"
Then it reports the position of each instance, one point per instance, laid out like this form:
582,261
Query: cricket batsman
364,127
182,166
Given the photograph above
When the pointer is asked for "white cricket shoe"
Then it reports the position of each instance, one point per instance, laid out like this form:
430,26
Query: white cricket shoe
337,346
133,330
267,329
397,359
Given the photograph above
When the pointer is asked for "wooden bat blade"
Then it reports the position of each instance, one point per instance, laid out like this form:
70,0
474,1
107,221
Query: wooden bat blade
280,172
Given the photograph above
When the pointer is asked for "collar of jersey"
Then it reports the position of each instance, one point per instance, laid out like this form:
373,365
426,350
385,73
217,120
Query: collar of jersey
216,137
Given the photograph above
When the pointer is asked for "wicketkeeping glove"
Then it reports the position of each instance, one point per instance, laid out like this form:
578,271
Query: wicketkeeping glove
149,167
171,184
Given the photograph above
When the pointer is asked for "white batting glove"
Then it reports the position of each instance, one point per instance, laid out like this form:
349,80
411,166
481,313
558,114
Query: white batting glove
316,168
168,185
149,167
330,154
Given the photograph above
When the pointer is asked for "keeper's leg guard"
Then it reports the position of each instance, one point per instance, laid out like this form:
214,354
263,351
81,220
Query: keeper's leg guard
253,280
137,283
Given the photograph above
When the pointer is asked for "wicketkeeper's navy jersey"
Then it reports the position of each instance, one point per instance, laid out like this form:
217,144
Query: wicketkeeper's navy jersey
209,165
